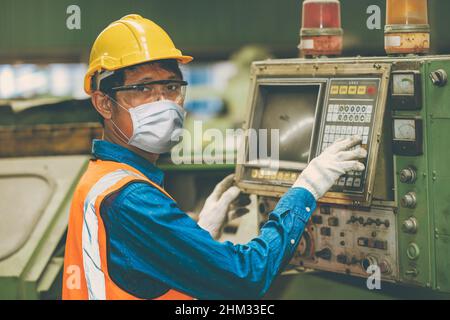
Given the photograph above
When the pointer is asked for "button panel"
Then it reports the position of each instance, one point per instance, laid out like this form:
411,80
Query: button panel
342,239
350,110
348,238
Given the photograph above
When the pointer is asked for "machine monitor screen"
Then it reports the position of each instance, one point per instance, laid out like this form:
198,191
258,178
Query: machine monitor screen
290,109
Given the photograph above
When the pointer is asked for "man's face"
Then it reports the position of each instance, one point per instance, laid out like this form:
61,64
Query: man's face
130,99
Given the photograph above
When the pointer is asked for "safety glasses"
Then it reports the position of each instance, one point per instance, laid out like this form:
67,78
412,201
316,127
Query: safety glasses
174,90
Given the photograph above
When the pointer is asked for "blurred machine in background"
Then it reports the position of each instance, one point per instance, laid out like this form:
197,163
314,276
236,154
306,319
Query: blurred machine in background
43,152
36,194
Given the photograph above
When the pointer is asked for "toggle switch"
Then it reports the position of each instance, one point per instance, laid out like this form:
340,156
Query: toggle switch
439,77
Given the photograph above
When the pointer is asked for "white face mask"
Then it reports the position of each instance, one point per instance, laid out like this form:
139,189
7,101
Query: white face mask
157,126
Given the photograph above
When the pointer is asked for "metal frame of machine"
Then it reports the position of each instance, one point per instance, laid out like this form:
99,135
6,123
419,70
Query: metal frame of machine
311,72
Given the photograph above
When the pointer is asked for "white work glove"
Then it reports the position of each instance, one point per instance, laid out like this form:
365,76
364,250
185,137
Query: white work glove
221,206
322,172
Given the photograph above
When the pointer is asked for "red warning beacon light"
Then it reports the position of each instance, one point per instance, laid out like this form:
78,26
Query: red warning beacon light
321,33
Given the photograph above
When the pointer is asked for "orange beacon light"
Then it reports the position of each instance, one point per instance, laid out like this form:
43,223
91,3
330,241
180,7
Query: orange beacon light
407,30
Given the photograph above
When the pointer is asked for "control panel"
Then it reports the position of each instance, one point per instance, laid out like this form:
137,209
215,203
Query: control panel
393,215
350,108
346,241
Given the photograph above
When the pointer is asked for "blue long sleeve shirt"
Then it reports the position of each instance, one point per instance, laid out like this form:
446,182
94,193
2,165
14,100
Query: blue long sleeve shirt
153,246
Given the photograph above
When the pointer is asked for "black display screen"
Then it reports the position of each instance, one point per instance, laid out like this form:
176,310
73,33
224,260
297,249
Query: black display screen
291,109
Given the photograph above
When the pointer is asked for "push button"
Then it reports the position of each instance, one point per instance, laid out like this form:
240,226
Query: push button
342,258
333,222
349,182
363,242
317,219
325,210
325,231
380,244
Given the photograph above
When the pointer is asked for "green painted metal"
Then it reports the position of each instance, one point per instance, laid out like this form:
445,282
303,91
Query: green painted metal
431,187
31,271
421,213
438,121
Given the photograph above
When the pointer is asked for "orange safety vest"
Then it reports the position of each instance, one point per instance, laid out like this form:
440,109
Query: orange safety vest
85,263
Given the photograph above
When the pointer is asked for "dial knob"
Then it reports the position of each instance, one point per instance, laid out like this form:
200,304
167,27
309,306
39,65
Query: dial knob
409,200
324,254
410,225
304,246
439,77
368,261
408,175
385,267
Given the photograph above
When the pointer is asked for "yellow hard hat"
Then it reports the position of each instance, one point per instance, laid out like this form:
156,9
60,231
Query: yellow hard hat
130,41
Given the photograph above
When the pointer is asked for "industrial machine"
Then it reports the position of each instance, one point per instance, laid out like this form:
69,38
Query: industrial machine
395,214
36,194
44,150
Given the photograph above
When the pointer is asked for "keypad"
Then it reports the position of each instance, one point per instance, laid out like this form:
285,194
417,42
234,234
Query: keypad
344,121
333,133
349,110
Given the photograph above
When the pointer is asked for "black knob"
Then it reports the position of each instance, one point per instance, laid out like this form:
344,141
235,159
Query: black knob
342,258
368,261
324,254
352,220
262,208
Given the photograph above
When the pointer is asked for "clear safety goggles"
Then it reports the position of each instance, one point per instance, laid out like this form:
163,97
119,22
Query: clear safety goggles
173,90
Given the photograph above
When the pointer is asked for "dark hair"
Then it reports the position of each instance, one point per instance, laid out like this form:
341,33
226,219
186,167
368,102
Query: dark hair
118,78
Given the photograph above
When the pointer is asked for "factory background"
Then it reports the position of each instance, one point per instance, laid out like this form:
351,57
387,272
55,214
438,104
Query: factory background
42,65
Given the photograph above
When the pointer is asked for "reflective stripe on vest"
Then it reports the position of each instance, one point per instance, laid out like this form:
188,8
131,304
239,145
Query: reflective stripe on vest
91,252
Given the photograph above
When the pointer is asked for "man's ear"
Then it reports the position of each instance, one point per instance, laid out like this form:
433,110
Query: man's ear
102,104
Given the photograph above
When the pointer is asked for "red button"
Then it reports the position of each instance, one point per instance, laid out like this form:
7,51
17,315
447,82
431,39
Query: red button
371,90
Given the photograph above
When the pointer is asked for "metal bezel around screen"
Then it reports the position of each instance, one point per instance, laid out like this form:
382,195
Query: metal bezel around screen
258,109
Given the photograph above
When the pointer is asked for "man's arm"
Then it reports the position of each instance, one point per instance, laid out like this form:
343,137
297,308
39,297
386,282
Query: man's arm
149,234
